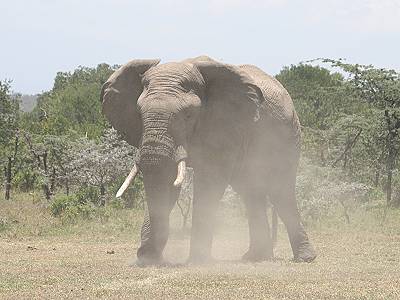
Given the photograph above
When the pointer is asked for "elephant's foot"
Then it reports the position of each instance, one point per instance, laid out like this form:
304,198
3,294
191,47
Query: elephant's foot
257,255
305,253
161,263
143,262
200,260
148,257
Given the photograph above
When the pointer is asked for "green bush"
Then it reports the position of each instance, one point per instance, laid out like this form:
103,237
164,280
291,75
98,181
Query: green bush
116,203
88,194
81,211
133,197
26,180
70,208
60,203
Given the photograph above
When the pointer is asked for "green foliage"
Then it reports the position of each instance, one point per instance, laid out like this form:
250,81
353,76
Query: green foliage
73,104
87,194
381,89
350,122
61,202
133,196
116,203
71,207
26,180
320,97
4,225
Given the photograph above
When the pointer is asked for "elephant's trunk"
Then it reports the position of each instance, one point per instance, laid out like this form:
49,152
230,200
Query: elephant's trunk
157,144
163,164
160,198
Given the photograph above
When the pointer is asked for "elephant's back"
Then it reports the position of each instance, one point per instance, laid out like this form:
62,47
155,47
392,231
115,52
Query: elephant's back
277,104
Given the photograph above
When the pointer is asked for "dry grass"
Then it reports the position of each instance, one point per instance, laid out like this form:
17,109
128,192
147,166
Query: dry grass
42,258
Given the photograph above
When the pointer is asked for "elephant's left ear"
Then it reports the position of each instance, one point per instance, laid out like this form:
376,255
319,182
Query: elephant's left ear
232,101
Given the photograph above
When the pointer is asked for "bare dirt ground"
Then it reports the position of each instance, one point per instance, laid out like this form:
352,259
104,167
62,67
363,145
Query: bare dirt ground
353,263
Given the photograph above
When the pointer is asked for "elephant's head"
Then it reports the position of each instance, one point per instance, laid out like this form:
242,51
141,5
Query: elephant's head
163,109
176,113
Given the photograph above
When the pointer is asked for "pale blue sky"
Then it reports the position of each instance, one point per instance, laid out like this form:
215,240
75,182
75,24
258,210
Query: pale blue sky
40,38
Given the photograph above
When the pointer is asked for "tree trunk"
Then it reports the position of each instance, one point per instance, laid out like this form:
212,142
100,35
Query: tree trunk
53,180
346,153
102,195
45,186
8,178
67,187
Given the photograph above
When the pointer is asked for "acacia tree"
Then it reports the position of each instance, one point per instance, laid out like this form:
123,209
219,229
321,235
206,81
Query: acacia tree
321,99
50,158
380,88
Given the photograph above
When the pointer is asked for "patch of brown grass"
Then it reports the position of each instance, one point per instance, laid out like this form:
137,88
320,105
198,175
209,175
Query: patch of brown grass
27,217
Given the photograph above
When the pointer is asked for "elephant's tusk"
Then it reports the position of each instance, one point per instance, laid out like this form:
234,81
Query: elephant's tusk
181,173
127,181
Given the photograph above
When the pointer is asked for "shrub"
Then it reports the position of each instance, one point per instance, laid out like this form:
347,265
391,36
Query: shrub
116,203
70,208
4,225
88,194
81,211
321,190
133,197
26,180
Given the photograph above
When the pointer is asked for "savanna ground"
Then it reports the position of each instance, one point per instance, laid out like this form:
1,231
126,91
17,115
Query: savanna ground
43,258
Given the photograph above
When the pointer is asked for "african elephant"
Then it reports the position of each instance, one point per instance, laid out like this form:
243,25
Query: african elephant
233,124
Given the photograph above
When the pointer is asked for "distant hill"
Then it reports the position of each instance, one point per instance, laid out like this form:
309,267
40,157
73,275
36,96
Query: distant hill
28,102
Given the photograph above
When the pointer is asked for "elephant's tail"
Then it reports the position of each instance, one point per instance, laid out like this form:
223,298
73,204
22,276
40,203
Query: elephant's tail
274,227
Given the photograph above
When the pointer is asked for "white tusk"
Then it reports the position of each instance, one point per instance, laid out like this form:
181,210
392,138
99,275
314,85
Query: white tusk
181,173
127,181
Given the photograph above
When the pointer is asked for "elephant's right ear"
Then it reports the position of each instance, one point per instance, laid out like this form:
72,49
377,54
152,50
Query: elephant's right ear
231,106
119,96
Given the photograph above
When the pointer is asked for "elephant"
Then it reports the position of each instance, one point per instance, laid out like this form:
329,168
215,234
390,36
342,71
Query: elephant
234,125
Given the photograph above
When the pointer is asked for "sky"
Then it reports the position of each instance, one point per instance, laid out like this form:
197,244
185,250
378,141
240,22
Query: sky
39,38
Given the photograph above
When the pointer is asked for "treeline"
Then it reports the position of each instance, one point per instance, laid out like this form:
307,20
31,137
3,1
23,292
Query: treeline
64,146
67,150
352,122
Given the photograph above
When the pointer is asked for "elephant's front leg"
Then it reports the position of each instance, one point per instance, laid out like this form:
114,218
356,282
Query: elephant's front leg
208,190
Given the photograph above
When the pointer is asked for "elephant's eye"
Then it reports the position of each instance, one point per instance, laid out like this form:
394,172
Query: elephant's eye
145,80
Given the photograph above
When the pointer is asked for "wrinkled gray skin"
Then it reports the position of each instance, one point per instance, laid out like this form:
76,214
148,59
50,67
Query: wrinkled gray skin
233,125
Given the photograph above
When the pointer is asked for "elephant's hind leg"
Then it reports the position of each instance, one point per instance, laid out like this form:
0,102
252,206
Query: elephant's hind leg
260,247
283,198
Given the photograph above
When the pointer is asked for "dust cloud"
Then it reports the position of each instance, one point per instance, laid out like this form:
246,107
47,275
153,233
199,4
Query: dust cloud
231,236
